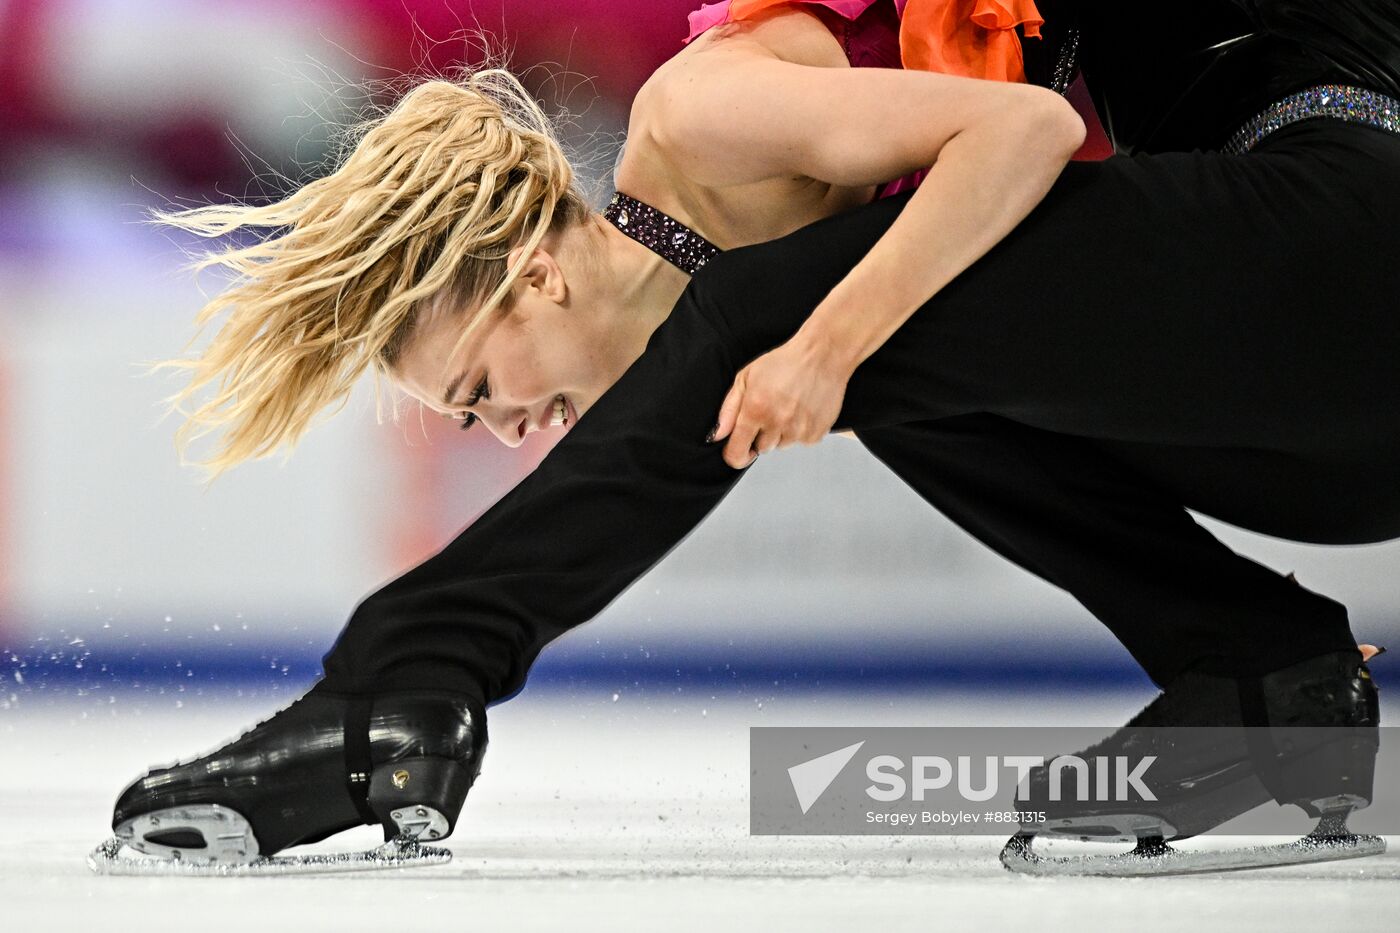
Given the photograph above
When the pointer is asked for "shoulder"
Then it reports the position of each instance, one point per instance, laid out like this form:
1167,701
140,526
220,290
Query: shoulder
724,55
721,113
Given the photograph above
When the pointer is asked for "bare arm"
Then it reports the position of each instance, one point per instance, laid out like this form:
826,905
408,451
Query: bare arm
994,149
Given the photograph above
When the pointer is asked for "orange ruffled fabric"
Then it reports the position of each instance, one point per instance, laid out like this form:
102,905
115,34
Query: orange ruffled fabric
971,38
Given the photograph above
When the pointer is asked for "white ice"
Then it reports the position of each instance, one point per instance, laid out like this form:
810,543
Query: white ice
602,814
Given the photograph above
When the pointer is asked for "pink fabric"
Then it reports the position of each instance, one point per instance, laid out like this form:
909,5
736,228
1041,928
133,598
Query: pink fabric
712,14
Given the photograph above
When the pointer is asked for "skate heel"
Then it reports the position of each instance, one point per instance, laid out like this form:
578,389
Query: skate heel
1337,774
419,797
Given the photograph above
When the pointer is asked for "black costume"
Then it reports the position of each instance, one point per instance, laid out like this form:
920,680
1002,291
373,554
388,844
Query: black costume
1168,329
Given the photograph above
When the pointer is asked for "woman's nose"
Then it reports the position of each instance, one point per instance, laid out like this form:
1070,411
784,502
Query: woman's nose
509,426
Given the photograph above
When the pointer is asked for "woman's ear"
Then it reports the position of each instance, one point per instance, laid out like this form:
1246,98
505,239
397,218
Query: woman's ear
541,273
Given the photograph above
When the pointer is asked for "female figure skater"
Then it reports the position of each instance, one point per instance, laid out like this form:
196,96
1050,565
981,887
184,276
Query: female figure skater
1177,329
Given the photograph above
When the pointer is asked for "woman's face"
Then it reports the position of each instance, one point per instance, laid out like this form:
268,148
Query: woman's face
540,364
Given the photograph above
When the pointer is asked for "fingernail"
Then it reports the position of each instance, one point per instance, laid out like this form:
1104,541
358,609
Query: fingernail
1379,651
710,438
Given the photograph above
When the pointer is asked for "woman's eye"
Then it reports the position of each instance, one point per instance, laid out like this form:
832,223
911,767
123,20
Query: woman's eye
481,391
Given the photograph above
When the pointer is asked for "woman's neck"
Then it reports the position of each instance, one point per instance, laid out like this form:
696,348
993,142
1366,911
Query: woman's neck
639,286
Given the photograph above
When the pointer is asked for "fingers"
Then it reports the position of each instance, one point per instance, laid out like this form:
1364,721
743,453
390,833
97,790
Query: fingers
756,419
751,432
729,410
741,451
734,423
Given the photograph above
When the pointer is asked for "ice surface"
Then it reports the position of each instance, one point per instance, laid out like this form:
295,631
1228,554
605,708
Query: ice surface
595,813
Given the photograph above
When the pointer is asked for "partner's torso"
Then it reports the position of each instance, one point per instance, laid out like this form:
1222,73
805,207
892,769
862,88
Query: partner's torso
1166,80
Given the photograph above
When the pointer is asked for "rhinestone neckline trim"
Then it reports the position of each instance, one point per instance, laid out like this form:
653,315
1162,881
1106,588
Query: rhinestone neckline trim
665,236
1340,102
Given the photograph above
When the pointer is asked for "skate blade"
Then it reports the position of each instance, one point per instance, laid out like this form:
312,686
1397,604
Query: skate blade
1155,857
208,839
111,858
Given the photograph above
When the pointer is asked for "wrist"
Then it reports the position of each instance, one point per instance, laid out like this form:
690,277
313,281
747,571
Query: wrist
825,349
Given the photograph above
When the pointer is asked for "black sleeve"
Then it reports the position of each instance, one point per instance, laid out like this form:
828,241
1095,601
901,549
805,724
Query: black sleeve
624,486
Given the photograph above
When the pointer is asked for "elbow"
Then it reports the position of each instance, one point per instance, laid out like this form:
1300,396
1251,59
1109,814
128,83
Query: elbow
1051,124
1072,125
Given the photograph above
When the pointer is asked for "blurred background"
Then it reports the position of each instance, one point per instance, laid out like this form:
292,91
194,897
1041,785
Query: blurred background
118,569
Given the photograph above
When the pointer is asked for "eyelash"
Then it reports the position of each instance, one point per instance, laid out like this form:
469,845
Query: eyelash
480,392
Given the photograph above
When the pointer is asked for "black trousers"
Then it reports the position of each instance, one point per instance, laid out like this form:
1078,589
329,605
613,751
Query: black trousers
1184,330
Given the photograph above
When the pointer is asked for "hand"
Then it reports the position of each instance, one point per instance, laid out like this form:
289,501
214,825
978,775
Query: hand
790,395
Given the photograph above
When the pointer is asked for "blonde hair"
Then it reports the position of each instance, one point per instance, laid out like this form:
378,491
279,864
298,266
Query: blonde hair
424,209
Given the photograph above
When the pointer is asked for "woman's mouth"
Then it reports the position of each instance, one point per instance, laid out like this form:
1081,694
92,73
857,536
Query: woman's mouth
564,414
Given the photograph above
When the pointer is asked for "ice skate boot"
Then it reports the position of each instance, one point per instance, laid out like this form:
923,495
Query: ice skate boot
1305,735
327,763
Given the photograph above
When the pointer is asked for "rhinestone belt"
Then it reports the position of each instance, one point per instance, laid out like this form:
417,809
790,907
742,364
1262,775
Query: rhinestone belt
1352,104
